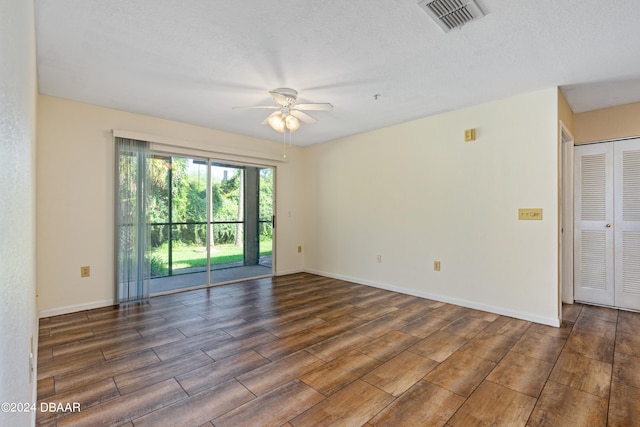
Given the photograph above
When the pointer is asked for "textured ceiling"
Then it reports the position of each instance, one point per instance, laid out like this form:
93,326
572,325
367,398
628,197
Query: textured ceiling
193,60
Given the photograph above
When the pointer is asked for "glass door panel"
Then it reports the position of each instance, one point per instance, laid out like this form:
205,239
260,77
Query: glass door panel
242,212
178,223
188,217
227,206
265,217
158,214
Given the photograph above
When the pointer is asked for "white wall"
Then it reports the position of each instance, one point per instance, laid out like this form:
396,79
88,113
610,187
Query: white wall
416,192
18,322
75,196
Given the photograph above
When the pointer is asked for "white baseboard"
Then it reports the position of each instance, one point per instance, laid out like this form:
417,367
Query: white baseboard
531,317
74,308
106,303
504,311
295,271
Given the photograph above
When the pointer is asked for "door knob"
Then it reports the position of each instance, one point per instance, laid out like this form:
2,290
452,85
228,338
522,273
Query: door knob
608,225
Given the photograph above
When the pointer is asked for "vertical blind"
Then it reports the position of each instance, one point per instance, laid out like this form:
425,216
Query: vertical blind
132,234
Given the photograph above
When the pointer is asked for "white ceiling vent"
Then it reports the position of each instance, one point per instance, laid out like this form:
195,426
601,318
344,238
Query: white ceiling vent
450,14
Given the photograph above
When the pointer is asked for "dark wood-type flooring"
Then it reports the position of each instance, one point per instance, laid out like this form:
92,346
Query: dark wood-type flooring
305,350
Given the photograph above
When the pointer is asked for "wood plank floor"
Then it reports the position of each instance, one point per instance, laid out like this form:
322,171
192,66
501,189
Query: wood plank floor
305,350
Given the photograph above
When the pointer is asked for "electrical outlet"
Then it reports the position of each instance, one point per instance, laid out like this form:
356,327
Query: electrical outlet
436,265
378,258
85,271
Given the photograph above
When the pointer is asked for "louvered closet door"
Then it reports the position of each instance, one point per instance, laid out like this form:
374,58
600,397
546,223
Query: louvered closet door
593,224
627,223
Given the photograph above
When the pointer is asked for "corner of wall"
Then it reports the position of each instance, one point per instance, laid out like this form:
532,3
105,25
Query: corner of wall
565,113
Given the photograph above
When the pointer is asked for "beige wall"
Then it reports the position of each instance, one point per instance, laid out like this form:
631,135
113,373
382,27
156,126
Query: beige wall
608,123
18,321
413,193
416,192
565,114
75,195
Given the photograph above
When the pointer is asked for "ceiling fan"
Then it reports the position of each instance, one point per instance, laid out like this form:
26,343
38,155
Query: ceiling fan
289,113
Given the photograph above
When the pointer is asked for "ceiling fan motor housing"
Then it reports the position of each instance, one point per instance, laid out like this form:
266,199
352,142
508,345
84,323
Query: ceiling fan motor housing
287,96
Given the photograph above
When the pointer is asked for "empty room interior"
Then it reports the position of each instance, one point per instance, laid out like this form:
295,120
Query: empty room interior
356,213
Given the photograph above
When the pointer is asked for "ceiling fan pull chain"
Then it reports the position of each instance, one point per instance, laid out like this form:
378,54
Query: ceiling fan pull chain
284,144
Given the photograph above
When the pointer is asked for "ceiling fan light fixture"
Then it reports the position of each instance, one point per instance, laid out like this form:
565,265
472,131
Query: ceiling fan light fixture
292,122
276,121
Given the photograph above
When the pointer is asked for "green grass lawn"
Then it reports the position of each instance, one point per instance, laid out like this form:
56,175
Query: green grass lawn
188,256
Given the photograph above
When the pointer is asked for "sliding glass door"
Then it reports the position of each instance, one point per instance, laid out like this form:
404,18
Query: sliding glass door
203,234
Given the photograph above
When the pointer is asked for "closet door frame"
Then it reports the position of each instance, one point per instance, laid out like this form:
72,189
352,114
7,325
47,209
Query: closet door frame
607,241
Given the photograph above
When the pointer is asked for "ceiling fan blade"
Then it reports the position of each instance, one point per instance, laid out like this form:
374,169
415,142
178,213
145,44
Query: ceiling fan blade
303,116
317,106
270,107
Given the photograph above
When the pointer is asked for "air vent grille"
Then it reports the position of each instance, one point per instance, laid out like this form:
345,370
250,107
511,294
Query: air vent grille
450,14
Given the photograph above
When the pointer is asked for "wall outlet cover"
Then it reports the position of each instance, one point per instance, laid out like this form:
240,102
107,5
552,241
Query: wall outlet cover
85,271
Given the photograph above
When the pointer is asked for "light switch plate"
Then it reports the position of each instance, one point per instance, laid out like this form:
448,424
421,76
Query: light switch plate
530,214
470,135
